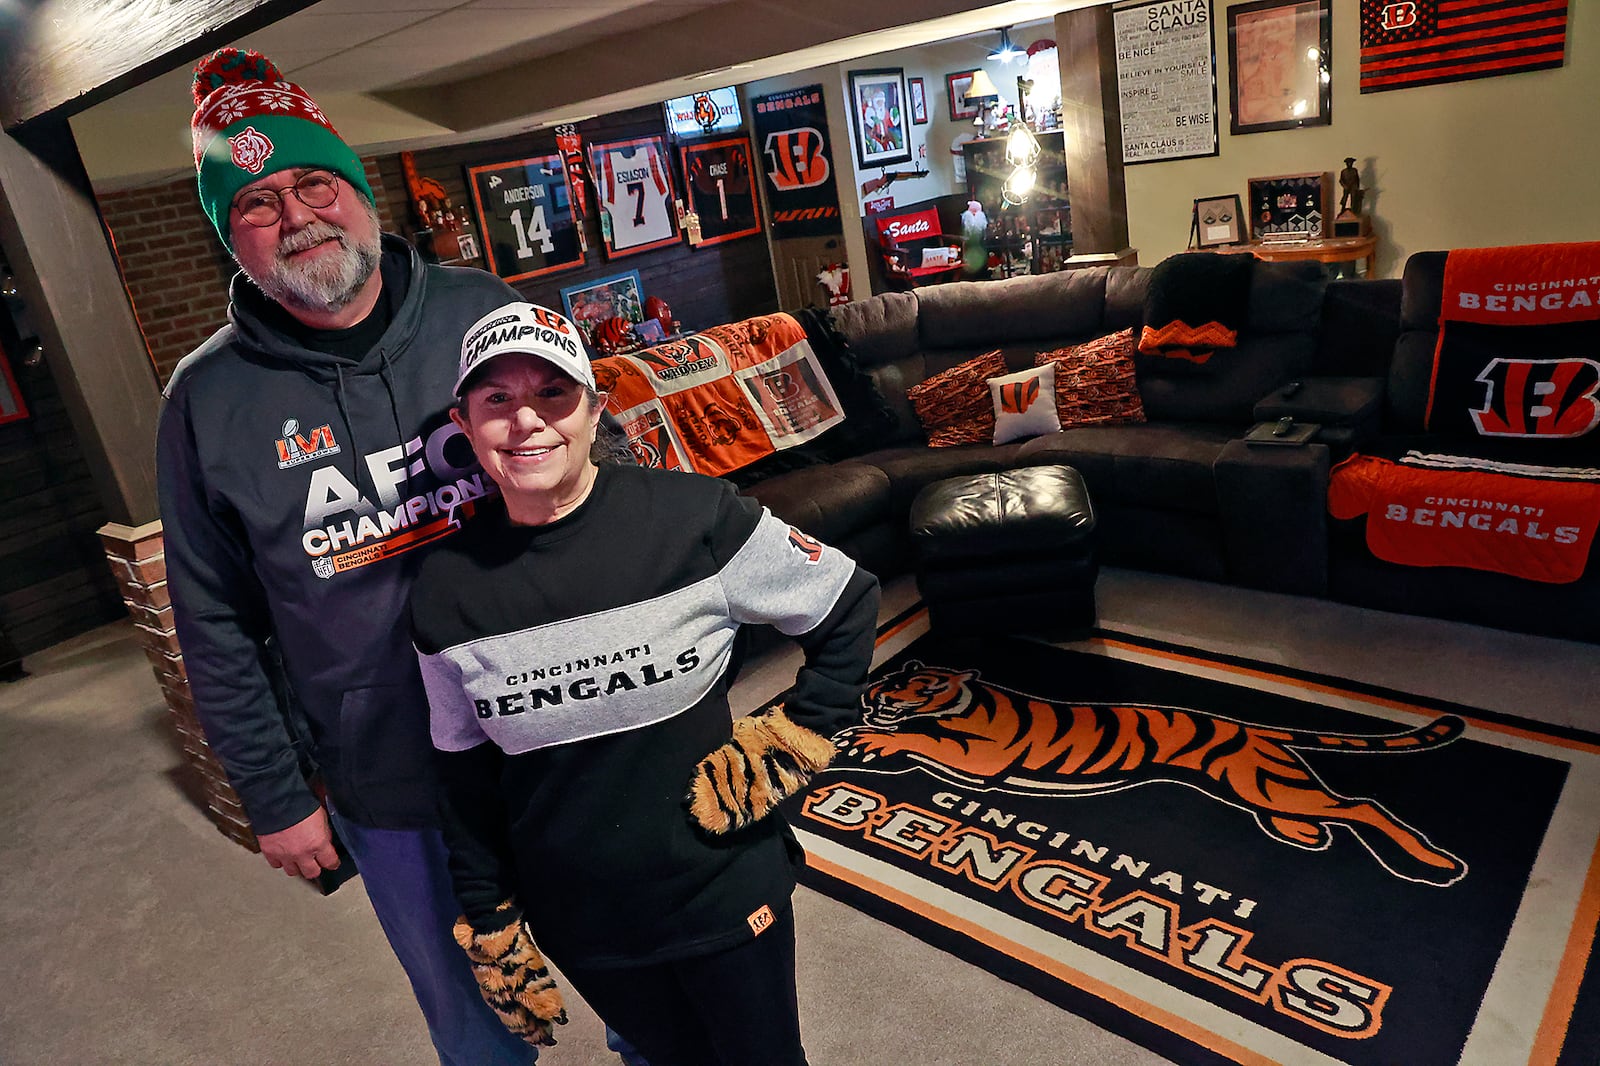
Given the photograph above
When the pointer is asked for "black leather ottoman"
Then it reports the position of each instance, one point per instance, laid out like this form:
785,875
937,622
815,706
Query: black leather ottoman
1007,552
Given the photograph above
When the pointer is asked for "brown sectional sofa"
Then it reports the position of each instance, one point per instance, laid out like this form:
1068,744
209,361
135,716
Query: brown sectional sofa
1179,493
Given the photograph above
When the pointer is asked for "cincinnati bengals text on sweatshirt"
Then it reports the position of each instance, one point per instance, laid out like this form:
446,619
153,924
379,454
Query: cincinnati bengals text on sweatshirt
578,671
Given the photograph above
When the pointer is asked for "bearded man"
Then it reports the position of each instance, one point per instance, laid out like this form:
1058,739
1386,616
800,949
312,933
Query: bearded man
306,458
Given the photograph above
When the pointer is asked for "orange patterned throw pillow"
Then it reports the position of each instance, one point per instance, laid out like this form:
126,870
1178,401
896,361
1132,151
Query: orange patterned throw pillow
1095,383
954,405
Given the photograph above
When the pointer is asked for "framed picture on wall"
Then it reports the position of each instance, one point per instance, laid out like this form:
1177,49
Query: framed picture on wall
719,188
634,186
1218,220
919,101
955,87
524,210
590,303
1280,65
878,116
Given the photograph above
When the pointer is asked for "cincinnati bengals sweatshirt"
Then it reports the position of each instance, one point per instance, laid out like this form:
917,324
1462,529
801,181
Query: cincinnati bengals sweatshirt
578,671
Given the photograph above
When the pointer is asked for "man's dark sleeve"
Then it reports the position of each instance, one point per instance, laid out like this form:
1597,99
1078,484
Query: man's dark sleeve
220,611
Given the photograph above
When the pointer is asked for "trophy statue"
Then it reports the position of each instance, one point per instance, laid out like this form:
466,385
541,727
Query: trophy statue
1350,222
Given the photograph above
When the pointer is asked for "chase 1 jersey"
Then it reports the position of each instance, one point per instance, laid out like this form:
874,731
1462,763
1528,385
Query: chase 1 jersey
718,178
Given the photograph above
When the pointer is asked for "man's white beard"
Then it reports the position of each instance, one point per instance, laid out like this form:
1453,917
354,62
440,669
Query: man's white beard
330,281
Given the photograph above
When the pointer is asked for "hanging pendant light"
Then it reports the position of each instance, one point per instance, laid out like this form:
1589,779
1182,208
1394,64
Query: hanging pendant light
1007,51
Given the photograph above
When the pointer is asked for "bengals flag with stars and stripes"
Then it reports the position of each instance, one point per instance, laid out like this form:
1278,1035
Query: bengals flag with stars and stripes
1425,42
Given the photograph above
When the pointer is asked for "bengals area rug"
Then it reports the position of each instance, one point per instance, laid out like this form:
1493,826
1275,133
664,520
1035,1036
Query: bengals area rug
1224,861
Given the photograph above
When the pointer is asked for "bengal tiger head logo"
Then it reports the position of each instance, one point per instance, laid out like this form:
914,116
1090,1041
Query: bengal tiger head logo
605,376
915,691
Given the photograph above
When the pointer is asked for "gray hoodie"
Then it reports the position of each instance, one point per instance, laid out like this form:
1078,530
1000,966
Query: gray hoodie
296,489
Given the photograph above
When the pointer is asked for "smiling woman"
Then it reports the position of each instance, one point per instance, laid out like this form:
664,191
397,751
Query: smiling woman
577,646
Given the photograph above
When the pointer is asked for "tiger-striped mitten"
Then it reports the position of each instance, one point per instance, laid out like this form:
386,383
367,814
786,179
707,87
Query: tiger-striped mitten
768,760
513,978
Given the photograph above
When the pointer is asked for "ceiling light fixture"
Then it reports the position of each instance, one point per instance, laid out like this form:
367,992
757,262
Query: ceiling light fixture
1007,51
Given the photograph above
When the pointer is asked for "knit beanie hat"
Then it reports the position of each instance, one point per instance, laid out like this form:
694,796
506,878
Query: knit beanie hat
248,122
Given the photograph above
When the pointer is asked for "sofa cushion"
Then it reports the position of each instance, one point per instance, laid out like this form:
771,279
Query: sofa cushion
953,405
1276,346
881,329
832,503
1066,303
909,469
1163,465
1024,403
1095,381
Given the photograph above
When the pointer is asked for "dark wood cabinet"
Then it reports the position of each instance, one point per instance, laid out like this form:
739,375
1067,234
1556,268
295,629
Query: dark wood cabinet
1031,237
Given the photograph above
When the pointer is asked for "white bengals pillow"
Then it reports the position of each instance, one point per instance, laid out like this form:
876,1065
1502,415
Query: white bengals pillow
1024,403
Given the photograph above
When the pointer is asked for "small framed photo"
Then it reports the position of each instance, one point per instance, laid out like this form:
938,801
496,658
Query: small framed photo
955,87
590,303
1218,220
1280,60
878,116
919,102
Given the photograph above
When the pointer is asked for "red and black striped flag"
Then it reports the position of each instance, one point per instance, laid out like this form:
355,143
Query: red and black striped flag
1423,42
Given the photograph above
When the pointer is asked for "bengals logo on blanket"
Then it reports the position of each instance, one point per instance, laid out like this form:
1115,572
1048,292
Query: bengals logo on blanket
1516,332
1539,398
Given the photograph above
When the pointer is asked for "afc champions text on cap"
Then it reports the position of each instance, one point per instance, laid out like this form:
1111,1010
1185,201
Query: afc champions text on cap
528,328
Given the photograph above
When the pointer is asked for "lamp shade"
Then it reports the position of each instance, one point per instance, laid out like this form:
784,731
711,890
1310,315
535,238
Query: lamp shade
982,88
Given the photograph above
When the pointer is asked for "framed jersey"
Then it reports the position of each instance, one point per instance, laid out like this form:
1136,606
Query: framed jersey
716,178
525,216
633,184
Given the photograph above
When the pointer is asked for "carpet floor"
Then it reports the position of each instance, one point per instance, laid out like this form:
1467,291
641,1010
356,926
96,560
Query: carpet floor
134,933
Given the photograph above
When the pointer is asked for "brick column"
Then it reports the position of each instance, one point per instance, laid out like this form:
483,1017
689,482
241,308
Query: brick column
139,563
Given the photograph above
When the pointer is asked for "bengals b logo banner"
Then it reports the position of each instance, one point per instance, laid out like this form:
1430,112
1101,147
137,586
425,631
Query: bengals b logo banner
792,132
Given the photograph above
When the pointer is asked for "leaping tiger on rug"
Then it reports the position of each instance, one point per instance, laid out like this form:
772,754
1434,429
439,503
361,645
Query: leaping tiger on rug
979,735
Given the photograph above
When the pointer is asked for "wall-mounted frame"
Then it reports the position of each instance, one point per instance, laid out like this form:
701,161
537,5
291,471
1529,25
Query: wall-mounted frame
1218,221
720,188
525,217
634,186
591,302
1290,205
878,115
12,406
1280,65
955,88
1167,83
919,101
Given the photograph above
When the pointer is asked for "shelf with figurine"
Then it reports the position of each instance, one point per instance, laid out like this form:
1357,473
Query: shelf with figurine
1022,196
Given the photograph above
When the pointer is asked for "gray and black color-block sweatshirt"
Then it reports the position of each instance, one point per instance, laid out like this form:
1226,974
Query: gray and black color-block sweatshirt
299,491
577,673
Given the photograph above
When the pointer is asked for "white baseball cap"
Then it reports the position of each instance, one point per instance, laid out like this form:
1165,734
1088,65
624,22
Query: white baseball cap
528,328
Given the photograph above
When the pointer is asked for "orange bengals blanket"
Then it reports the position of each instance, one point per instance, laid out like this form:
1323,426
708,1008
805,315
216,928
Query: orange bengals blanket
721,399
1518,332
1441,510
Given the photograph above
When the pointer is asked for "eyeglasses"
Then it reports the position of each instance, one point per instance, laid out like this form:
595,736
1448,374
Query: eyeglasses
263,207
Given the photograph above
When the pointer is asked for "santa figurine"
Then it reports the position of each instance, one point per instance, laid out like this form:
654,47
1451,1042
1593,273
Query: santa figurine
974,224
